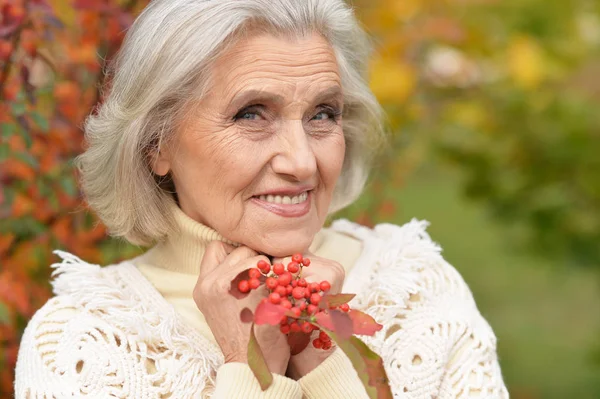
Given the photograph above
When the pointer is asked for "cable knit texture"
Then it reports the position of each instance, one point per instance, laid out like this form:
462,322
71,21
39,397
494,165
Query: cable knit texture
108,333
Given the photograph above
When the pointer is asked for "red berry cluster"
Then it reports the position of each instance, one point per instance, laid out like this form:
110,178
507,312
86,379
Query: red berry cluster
287,288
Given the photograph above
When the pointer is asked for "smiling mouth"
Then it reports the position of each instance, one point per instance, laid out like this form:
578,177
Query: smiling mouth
284,199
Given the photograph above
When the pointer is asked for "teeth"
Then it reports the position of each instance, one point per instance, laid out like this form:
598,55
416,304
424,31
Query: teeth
286,200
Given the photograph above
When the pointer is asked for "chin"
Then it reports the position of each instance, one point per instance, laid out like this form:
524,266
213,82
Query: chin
284,244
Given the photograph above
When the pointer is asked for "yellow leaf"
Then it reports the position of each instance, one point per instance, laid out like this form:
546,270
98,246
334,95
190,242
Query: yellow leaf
63,9
392,80
526,62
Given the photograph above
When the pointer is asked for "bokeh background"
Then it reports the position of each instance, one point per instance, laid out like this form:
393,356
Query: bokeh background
494,121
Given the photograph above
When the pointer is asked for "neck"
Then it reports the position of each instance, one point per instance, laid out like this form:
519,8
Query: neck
183,250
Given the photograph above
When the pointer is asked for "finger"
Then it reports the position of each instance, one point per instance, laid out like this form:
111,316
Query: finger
215,254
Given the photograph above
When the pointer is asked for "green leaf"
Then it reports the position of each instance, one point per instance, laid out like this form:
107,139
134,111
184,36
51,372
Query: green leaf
257,363
41,121
27,158
68,185
367,364
18,109
8,129
4,151
4,319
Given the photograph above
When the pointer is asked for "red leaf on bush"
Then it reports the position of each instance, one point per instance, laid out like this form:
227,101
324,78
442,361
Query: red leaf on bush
268,313
363,324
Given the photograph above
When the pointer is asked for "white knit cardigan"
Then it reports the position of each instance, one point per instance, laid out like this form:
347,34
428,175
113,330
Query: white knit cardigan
109,333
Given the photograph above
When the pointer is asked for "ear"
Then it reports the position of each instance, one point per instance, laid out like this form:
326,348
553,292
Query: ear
161,163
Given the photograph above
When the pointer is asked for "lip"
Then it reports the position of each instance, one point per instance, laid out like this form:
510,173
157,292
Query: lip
286,210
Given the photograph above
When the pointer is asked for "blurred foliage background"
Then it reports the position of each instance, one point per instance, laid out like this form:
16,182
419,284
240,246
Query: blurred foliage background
494,120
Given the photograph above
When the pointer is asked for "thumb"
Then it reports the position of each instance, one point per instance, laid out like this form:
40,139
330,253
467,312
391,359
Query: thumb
214,255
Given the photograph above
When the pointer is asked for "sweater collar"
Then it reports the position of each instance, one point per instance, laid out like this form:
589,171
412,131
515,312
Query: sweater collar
183,250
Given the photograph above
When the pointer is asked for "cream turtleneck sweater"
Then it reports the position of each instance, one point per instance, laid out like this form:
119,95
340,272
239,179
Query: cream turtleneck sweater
173,267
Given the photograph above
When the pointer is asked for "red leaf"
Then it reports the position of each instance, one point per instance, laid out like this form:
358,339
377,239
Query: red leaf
257,363
297,341
268,313
335,300
342,323
368,366
363,324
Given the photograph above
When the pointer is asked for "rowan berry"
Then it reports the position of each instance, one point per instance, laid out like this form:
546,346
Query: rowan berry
307,292
297,258
294,283
289,289
286,303
244,286
254,273
314,287
285,279
275,298
254,283
285,328
307,328
312,309
264,266
295,327
317,343
293,267
278,268
326,345
344,307
302,282
324,337
325,286
271,283
298,292
296,311
281,291
306,262
301,305
315,298
264,300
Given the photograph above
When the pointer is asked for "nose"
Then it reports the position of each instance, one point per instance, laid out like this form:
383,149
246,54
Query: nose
295,157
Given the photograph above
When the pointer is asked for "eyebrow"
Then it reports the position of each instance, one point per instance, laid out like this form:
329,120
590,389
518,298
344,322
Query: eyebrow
263,95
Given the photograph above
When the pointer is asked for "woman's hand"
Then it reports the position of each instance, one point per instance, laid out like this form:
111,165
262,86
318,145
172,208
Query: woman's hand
320,269
221,303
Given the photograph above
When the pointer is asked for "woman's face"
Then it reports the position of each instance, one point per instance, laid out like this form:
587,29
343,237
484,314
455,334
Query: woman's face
259,157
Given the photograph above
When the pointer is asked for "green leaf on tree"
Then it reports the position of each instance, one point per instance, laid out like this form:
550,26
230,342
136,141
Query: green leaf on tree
257,363
8,129
40,120
4,319
4,151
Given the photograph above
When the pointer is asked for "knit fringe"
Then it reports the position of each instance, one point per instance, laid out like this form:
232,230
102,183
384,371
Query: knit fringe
183,365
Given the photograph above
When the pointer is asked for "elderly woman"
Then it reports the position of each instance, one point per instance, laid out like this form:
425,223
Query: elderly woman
231,130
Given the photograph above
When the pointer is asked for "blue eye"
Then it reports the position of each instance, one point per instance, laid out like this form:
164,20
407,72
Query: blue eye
250,113
325,114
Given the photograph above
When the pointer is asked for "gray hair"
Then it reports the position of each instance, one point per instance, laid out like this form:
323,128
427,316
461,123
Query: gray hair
162,66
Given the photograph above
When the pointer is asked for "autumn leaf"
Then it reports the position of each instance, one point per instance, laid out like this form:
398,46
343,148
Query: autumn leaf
368,365
335,300
268,313
363,324
257,363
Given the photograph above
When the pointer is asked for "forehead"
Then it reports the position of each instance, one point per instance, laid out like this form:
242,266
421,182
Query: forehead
264,60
